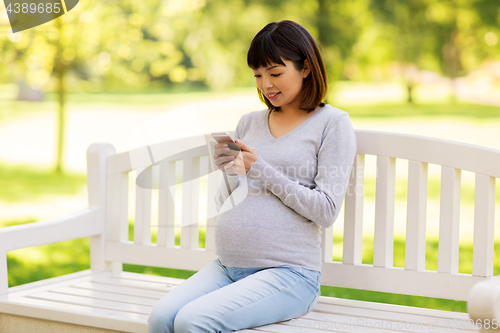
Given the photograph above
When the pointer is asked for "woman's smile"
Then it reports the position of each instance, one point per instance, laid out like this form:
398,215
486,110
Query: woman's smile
272,96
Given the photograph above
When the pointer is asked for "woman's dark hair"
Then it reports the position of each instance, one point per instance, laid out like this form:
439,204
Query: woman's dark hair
290,41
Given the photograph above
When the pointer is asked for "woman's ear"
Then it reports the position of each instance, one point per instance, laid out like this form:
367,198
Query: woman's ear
306,69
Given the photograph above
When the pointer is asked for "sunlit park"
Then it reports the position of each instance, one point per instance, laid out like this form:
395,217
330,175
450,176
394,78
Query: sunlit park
419,67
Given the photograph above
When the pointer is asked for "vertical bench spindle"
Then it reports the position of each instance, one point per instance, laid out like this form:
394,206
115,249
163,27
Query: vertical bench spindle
484,222
142,222
190,201
416,216
117,211
449,220
383,247
211,206
166,205
353,214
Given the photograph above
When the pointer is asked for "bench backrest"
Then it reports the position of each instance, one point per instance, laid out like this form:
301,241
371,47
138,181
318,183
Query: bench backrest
193,210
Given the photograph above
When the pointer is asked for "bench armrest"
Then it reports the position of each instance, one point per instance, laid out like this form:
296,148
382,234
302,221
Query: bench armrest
85,223
484,301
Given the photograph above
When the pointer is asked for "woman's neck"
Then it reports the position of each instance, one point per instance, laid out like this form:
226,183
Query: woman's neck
294,112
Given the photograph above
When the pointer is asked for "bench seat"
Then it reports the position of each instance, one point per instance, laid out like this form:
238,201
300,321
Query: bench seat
122,302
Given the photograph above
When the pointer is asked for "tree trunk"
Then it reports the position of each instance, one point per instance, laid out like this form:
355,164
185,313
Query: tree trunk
410,89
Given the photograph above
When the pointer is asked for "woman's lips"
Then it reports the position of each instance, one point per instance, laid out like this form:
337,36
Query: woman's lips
273,96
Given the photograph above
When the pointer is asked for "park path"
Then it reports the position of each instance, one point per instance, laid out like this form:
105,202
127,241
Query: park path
32,140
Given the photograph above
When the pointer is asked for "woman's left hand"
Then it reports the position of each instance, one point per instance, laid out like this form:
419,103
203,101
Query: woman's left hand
244,161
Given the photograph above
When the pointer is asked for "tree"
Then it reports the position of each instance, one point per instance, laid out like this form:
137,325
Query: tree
444,36
407,31
96,45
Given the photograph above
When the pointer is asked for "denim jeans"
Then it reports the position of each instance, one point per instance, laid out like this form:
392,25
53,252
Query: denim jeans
223,299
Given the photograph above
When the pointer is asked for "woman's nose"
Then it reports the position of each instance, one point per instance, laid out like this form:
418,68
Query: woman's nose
267,83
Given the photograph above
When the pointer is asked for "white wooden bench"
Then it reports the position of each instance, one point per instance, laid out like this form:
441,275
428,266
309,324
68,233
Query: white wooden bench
107,298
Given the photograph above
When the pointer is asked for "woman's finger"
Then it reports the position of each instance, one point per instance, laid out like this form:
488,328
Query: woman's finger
228,168
222,150
223,159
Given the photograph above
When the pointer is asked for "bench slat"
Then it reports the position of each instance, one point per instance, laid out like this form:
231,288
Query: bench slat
166,205
453,154
416,216
105,295
332,311
142,221
383,246
120,290
211,211
55,282
361,321
92,302
161,287
279,328
117,207
213,179
326,243
194,204
78,314
353,220
147,277
398,280
151,255
190,201
449,220
146,155
349,303
484,222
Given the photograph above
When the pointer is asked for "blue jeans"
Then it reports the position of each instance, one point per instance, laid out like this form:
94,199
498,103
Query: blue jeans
222,299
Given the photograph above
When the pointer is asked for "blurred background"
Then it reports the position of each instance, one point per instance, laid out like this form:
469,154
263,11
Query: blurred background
418,67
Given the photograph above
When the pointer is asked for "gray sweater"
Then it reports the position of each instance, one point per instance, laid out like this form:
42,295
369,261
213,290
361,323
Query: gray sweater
296,185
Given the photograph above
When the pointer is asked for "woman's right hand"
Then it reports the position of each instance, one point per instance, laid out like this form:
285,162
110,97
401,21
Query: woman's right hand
222,161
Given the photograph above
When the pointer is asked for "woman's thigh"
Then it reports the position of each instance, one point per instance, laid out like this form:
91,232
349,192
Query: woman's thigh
209,278
268,296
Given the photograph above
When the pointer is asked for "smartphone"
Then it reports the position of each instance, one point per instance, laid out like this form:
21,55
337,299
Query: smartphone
223,137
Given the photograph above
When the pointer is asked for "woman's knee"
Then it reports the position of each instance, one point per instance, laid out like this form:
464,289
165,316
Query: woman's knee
189,320
161,320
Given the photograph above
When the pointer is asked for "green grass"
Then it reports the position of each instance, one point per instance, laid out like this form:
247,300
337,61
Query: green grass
457,111
46,261
27,183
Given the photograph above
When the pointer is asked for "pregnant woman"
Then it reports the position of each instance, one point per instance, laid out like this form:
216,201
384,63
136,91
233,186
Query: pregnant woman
291,176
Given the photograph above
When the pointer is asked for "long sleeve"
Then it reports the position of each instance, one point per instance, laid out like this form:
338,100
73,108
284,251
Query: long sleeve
320,203
224,189
223,192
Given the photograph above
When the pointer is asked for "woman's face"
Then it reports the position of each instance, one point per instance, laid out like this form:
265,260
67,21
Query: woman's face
285,81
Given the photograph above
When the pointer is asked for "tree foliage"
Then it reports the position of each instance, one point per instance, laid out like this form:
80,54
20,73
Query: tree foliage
156,44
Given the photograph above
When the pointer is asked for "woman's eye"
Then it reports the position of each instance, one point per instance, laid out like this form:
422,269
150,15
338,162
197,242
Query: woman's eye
275,75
